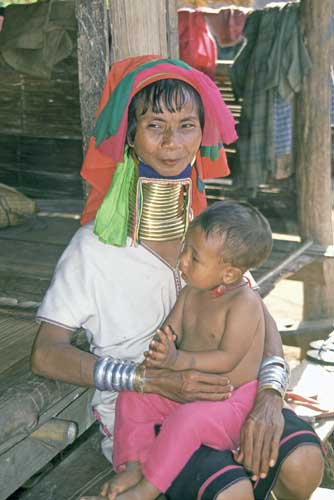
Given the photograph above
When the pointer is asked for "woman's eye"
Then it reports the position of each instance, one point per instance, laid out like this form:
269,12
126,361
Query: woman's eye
154,125
188,125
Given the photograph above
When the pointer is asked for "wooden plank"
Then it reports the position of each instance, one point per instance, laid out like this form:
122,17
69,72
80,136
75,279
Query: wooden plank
29,253
301,334
28,456
288,266
310,327
50,230
27,400
28,258
86,459
21,289
16,339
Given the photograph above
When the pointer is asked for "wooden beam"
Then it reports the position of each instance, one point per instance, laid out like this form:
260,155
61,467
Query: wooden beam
93,63
283,270
312,328
93,59
301,334
138,28
172,29
313,151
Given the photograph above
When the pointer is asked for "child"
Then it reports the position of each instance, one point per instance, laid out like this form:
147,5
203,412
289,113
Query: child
216,325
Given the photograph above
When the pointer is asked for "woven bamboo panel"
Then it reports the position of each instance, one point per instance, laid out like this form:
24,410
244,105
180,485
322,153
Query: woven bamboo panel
37,107
40,131
41,167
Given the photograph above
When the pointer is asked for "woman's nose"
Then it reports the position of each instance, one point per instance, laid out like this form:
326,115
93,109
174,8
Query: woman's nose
169,137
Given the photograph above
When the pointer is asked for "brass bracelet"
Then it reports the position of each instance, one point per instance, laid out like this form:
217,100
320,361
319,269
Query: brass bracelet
139,379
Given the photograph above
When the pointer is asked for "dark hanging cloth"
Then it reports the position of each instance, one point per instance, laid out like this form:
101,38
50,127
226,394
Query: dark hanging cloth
273,62
36,37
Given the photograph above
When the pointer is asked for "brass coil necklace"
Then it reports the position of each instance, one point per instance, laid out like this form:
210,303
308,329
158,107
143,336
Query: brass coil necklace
161,209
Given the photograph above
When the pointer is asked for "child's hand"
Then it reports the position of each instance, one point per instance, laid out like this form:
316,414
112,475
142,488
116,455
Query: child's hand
162,352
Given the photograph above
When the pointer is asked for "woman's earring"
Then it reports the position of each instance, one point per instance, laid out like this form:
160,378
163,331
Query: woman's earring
129,141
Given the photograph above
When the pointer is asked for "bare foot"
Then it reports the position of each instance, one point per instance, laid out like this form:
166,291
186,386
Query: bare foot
93,498
141,491
119,483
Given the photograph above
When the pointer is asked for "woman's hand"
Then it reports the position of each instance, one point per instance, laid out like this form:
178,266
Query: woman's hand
260,435
187,385
162,351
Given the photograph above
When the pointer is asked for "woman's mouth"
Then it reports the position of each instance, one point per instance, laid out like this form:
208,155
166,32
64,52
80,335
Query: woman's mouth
170,162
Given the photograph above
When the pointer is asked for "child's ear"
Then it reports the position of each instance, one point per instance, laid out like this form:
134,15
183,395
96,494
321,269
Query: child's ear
230,274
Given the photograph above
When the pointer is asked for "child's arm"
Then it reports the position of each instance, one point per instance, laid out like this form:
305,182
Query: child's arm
241,326
162,350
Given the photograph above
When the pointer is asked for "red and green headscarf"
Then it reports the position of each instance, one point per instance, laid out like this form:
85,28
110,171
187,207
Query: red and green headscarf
106,148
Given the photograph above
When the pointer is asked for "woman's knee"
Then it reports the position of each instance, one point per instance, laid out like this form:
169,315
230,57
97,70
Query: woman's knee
242,489
300,474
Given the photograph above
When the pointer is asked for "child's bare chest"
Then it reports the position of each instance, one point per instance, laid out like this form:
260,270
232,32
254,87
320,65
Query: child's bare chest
203,323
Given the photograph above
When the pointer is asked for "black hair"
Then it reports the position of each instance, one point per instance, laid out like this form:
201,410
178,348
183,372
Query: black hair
169,92
245,233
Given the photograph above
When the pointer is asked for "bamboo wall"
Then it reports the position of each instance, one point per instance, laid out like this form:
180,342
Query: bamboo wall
40,131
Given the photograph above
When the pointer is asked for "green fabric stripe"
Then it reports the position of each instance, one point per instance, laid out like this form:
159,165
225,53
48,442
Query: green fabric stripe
111,223
211,152
110,118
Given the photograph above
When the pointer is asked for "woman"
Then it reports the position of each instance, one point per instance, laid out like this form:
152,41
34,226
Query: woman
159,133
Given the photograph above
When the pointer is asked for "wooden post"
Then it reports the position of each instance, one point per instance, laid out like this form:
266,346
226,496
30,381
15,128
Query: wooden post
143,27
172,29
313,152
93,59
93,63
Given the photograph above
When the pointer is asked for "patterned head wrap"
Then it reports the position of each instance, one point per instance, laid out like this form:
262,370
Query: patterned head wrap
107,146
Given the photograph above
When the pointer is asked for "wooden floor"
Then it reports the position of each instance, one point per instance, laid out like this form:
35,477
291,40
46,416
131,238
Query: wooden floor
28,254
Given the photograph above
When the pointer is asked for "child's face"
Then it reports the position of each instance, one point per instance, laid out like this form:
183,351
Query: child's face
200,262
167,141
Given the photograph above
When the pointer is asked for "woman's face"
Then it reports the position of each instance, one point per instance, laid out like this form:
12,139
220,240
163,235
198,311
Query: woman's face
167,141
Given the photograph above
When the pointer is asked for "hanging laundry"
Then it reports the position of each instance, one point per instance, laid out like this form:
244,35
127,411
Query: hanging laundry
197,45
36,37
5,3
282,137
227,24
273,61
283,122
2,17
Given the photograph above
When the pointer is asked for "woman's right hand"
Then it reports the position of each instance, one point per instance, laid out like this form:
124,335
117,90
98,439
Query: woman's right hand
187,385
